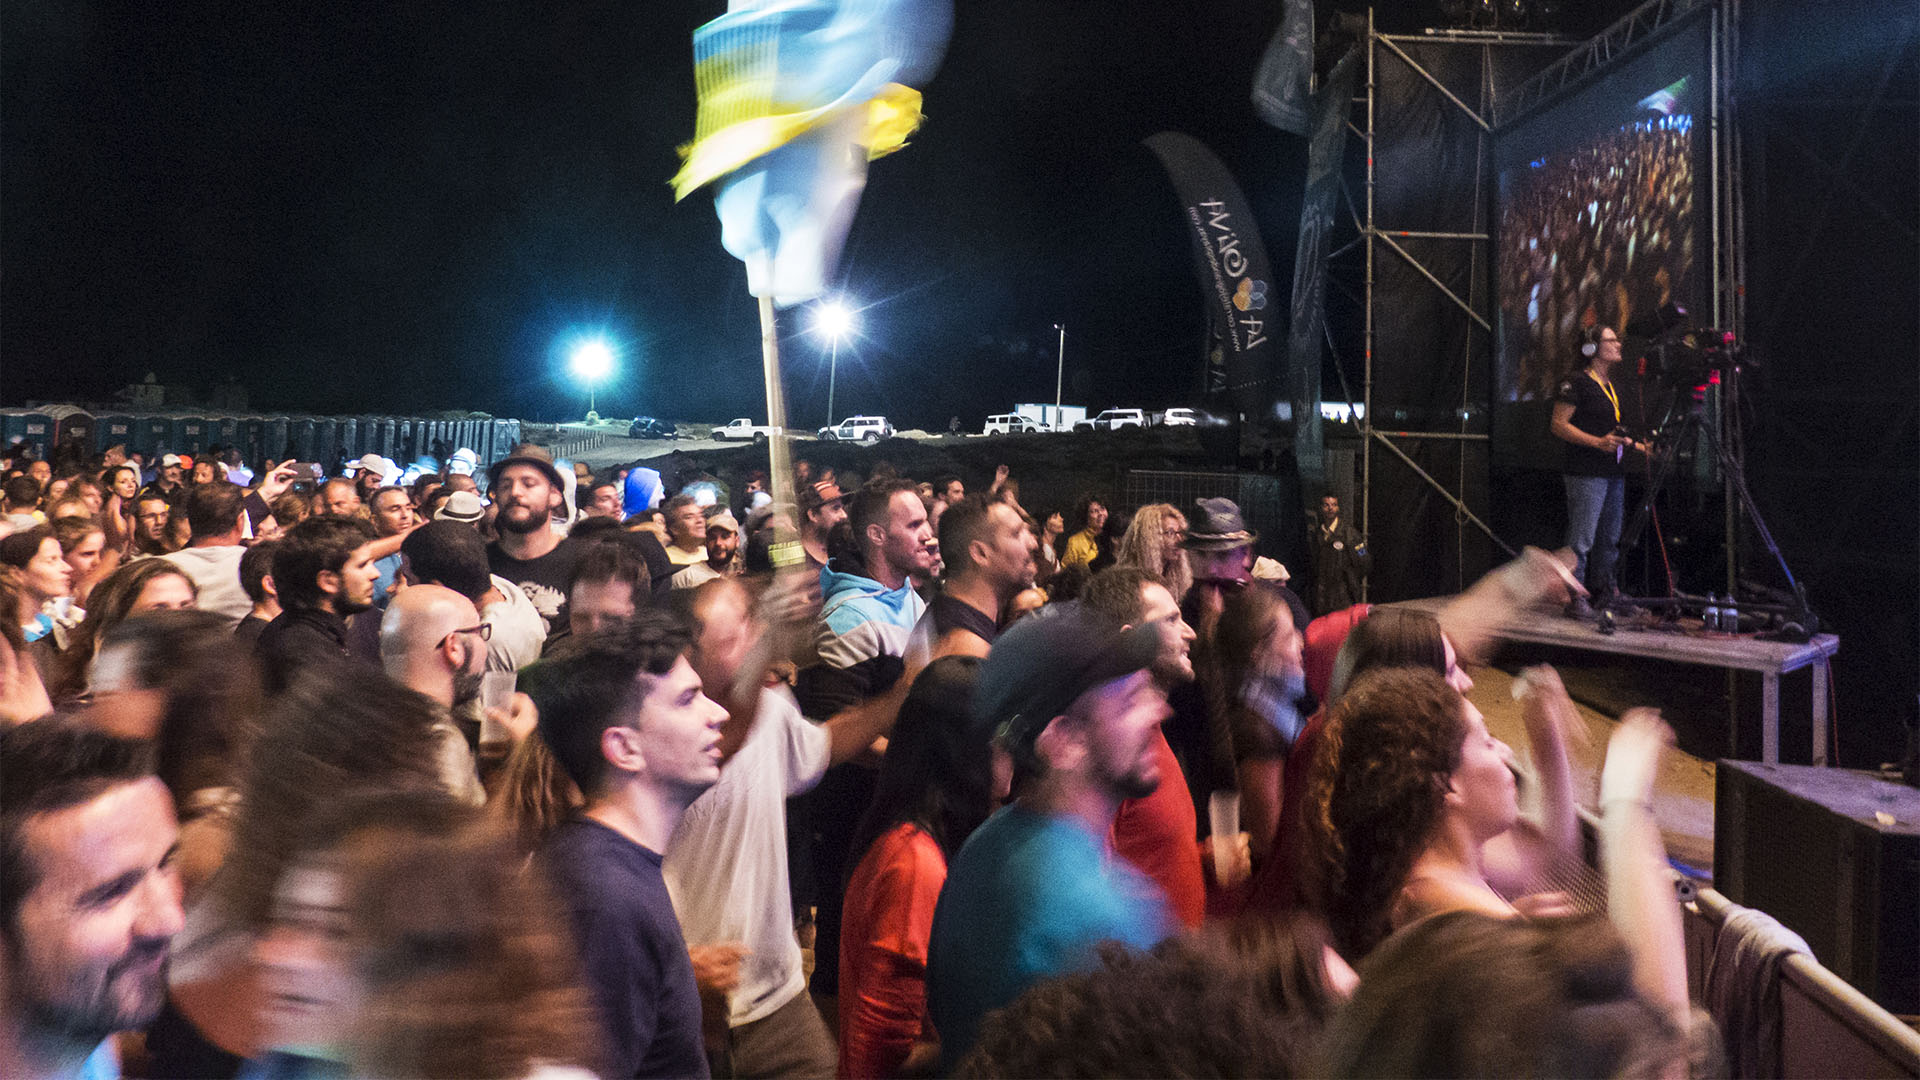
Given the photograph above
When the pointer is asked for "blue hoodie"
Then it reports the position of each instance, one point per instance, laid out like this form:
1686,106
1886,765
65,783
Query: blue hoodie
862,638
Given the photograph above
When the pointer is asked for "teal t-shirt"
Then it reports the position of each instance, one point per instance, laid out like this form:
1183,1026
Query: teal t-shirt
1029,896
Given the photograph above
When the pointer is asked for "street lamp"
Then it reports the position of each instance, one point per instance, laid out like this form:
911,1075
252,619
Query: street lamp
833,320
591,361
1059,372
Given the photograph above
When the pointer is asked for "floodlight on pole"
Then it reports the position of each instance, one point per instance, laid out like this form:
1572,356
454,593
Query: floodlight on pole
833,320
591,361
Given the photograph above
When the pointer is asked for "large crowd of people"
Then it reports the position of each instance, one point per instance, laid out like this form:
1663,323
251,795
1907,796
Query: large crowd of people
1601,233
533,772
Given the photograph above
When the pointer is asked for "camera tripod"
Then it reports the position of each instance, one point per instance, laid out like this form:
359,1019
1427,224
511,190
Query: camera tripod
1797,621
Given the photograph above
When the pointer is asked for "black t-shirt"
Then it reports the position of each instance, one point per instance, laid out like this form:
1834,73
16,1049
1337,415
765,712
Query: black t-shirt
952,613
632,952
1593,413
544,579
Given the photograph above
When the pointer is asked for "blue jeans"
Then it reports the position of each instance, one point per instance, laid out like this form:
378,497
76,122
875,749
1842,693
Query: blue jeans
1596,509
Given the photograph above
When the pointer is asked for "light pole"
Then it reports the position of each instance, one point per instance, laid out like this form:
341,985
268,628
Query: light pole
591,361
1059,372
834,320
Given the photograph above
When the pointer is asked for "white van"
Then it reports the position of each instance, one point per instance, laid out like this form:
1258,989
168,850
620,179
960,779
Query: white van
1009,424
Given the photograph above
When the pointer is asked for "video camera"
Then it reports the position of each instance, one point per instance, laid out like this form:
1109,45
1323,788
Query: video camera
1679,352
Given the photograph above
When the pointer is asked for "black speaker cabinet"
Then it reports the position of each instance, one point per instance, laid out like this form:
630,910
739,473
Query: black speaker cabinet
1835,856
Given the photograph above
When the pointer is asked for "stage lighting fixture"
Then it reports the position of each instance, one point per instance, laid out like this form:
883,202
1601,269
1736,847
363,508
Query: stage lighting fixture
1514,12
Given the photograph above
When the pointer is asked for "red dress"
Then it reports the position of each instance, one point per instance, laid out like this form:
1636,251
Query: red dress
885,926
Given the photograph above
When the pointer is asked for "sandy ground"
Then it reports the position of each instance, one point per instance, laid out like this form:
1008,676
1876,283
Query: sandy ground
1683,792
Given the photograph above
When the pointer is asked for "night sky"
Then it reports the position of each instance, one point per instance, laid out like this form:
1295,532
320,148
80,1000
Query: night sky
404,207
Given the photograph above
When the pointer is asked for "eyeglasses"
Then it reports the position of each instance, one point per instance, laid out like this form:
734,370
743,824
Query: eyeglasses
484,631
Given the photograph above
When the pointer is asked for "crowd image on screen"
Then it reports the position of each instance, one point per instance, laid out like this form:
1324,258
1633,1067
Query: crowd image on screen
1593,235
565,773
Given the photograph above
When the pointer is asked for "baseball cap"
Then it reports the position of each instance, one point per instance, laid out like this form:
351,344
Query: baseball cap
1042,664
463,462
724,520
171,460
818,494
462,506
367,461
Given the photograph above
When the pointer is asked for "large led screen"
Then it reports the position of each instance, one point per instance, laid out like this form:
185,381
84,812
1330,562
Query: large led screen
1600,219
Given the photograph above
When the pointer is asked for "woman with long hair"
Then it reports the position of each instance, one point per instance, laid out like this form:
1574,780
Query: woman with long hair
432,953
1152,543
1388,637
83,543
40,577
936,786
1413,810
336,732
1089,545
122,484
135,588
173,677
1251,675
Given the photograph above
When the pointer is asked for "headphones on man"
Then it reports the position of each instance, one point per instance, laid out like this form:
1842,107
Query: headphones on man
1591,347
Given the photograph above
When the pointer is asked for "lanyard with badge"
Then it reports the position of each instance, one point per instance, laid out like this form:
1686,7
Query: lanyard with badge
1614,400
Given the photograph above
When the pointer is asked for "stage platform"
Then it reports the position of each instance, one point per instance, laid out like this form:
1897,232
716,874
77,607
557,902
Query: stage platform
1771,659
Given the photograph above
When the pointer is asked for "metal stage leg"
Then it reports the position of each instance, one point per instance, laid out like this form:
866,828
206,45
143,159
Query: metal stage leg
1770,717
1820,711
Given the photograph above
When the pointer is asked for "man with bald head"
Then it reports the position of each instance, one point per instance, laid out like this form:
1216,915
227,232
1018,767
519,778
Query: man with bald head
433,642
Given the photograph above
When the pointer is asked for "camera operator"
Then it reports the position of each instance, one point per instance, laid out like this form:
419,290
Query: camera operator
1586,415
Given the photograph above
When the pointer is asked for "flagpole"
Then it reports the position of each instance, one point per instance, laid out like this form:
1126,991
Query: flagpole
786,543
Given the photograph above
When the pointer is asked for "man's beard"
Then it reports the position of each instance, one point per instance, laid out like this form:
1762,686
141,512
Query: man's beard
344,605
51,1014
1133,783
533,523
466,687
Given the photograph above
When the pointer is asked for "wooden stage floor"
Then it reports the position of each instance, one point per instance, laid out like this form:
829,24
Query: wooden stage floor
1683,792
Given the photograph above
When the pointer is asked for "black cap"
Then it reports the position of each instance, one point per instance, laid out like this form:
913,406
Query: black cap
1043,663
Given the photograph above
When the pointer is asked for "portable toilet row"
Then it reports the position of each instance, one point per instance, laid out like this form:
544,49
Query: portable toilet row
328,440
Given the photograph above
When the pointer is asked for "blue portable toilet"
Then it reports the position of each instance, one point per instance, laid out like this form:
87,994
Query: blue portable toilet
13,428
113,429
71,424
226,431
350,437
249,437
192,434
326,440
276,438
156,436
300,430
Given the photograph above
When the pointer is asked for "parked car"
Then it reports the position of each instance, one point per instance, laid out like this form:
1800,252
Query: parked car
865,429
1009,424
743,429
1114,420
1179,417
646,427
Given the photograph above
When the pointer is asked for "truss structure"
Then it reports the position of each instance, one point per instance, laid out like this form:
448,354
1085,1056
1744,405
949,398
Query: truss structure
1488,107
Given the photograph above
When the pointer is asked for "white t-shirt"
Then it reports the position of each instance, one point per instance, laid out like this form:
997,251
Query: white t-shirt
726,866
518,630
216,573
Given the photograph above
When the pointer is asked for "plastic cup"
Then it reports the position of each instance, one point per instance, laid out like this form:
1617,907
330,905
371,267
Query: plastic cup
496,692
1223,814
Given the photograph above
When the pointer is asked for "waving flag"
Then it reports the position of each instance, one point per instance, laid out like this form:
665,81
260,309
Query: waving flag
796,96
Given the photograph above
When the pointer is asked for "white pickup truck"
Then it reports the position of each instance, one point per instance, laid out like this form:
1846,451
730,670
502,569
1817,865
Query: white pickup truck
743,429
